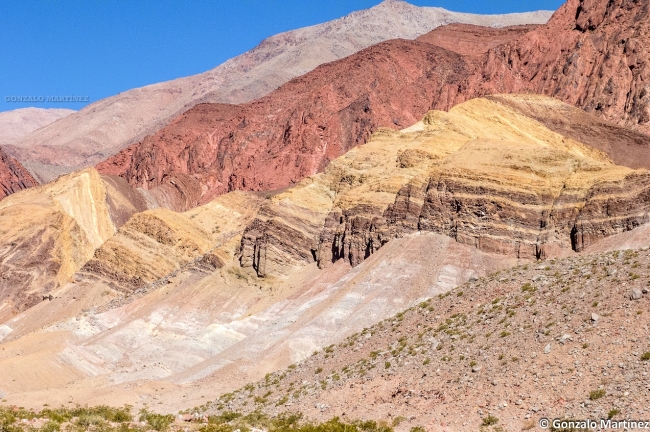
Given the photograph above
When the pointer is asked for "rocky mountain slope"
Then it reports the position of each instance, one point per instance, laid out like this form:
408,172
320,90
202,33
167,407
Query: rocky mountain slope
297,129
171,308
562,339
16,124
278,140
13,176
107,126
49,232
592,54
483,173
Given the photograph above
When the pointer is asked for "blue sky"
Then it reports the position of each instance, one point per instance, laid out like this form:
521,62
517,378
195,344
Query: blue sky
98,48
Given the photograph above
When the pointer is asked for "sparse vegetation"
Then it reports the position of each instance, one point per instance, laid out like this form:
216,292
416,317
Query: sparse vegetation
612,413
596,394
489,421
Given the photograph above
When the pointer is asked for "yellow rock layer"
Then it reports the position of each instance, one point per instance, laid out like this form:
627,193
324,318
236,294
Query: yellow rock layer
482,152
154,243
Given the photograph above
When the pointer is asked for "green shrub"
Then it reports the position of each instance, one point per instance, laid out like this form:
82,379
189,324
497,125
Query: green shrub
612,413
158,422
596,394
490,421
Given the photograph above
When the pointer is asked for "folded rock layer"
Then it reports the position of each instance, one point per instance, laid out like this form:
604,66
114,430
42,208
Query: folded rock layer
13,176
484,174
49,232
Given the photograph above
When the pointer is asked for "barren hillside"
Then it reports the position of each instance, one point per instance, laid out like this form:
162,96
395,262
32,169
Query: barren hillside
560,339
16,124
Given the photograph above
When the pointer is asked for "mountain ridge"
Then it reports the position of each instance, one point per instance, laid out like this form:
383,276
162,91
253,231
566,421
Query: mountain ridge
105,127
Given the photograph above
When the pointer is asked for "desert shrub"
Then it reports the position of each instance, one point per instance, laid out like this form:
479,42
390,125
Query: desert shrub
596,394
490,421
158,422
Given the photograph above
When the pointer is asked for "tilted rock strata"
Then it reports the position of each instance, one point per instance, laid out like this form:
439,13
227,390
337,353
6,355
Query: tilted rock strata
294,132
483,174
623,145
47,233
13,176
107,126
155,243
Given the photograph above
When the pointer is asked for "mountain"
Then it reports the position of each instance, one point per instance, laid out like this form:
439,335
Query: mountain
296,130
592,54
109,125
16,124
171,310
13,176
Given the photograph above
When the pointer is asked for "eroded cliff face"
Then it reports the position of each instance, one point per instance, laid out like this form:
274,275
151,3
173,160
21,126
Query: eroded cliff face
592,54
47,233
484,174
13,176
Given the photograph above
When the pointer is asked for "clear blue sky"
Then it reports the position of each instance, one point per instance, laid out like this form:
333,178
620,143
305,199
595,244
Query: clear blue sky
100,48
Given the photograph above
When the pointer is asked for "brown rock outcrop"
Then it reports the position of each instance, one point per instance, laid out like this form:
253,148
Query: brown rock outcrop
13,176
592,54
467,39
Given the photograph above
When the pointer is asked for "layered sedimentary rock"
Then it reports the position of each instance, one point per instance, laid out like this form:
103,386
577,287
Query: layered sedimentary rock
13,176
296,130
624,146
155,243
484,174
47,233
109,125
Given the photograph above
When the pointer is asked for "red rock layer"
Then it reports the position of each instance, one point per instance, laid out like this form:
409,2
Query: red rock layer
467,39
13,176
294,132
592,54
